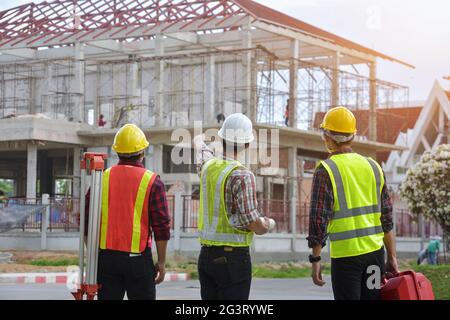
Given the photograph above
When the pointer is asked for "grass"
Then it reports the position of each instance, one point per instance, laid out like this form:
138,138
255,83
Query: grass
439,276
54,263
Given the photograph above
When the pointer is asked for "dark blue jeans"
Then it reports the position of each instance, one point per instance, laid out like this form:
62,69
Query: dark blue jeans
225,273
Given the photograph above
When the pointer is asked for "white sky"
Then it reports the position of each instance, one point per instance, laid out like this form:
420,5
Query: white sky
415,31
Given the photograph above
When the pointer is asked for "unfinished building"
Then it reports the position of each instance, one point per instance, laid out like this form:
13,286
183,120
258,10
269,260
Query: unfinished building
72,72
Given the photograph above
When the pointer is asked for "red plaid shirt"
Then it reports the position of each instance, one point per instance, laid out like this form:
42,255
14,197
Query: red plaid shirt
322,202
158,210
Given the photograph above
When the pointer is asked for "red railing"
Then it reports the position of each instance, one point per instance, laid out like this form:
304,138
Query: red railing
279,211
190,213
171,207
407,225
64,215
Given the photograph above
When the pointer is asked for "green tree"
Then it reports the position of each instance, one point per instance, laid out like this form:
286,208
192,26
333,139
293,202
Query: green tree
7,186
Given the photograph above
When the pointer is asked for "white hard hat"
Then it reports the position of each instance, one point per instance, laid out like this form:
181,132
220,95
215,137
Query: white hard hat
237,128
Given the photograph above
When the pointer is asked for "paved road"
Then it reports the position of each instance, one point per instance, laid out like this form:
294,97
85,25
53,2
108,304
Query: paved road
262,289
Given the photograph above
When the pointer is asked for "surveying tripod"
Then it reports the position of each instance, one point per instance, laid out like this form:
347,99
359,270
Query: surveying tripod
91,165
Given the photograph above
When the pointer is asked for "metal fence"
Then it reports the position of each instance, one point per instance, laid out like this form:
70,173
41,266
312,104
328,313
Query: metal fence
407,225
191,205
171,207
275,209
64,214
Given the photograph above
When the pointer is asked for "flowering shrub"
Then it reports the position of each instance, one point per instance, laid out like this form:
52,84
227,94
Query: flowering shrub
427,187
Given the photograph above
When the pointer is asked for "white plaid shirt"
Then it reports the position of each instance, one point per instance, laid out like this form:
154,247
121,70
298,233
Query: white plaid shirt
240,191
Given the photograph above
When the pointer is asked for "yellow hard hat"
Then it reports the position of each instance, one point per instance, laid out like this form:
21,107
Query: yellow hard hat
339,119
129,140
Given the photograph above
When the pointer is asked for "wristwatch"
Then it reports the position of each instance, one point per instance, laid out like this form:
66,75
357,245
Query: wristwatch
313,259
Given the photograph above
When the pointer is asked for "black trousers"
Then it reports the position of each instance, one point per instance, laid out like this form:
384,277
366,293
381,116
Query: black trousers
225,273
349,276
118,272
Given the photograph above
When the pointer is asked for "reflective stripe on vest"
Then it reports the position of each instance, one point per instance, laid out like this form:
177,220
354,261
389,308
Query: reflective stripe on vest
214,227
356,230
129,237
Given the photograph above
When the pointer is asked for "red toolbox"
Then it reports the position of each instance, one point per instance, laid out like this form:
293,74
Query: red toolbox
407,285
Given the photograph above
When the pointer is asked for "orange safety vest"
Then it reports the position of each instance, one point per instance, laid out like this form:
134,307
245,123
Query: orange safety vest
124,221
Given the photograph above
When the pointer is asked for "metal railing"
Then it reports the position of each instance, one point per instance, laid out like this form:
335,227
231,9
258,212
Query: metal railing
407,225
64,214
191,205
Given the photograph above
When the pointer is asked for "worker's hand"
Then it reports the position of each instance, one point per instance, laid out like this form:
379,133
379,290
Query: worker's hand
198,140
317,274
392,266
160,269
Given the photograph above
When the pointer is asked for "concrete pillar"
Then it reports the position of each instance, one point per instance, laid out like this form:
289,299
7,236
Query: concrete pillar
159,81
45,172
293,193
49,89
76,180
78,88
31,170
373,102
293,82
249,107
97,102
45,221
335,88
158,158
31,95
209,91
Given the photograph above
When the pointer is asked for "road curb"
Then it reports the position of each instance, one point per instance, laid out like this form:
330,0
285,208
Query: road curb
62,277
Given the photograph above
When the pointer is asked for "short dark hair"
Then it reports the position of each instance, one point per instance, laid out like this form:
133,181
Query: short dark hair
131,158
236,146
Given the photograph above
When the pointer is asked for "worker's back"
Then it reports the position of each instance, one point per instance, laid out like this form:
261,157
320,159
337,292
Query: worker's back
357,175
355,227
125,221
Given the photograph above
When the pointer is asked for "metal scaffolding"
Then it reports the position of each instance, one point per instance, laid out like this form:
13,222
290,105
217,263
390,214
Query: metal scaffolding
127,90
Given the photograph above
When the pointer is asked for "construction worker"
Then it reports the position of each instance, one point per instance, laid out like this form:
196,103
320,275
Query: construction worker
228,214
350,204
134,205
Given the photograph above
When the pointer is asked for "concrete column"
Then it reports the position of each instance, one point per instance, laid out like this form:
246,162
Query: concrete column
293,193
293,82
49,89
31,170
76,172
78,112
373,102
45,221
31,95
45,172
159,81
209,91
158,158
335,89
249,108
97,101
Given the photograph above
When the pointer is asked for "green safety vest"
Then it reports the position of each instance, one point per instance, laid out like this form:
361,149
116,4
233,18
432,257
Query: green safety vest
355,227
213,226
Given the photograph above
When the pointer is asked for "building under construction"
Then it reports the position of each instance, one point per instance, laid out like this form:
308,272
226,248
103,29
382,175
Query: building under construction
73,71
